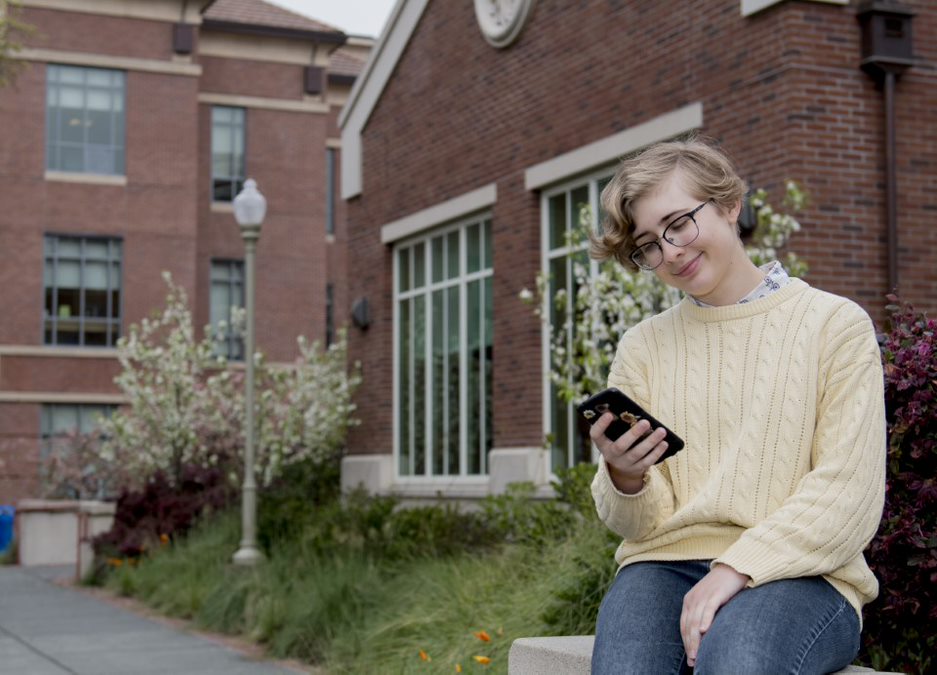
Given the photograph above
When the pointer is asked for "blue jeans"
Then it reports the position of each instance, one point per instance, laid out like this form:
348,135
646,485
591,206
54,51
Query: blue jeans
790,626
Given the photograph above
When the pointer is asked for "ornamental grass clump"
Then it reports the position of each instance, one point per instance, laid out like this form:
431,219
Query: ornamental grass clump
900,631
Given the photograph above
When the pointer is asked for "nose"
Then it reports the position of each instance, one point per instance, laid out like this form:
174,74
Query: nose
670,251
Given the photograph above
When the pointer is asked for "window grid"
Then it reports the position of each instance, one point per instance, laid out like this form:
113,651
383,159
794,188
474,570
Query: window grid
85,119
330,190
569,445
227,152
227,293
82,283
60,419
432,314
329,314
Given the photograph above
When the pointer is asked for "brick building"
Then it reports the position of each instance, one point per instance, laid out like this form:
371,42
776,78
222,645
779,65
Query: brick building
471,141
122,142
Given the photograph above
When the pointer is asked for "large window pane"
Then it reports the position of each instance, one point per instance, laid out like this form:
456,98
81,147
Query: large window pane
57,424
440,411
567,210
444,317
404,398
227,152
473,330
226,294
82,291
85,119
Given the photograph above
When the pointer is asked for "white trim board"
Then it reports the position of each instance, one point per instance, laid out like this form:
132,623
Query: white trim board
457,207
104,61
156,10
368,87
61,397
750,7
287,105
609,149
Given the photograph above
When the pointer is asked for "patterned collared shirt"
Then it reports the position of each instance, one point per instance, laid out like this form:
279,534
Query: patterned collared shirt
776,278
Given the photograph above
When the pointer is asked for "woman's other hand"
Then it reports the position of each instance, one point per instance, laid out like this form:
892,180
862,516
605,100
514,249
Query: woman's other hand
629,457
703,601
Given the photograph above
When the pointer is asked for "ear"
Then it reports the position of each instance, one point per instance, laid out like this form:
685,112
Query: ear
734,212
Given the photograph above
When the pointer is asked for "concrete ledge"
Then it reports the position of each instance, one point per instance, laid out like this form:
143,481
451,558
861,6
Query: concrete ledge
572,655
59,532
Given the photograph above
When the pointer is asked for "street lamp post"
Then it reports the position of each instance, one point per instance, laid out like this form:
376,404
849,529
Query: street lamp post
250,207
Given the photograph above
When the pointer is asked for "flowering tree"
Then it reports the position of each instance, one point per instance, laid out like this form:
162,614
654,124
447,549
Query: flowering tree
12,31
606,304
186,403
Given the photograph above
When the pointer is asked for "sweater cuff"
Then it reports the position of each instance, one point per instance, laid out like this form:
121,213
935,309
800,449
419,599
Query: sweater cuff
629,510
758,563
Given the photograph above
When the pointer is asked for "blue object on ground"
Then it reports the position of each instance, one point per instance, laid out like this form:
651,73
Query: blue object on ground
7,514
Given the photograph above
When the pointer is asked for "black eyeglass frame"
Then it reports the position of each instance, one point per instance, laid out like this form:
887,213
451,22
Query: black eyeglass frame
689,214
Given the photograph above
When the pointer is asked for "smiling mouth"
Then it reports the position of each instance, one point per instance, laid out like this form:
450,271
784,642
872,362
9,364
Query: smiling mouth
687,266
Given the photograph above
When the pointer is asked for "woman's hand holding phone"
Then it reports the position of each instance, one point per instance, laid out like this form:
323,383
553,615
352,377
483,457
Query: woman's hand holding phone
629,457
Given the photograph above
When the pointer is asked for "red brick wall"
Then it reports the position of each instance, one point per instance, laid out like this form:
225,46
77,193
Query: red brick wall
782,90
163,214
251,78
285,155
98,34
19,451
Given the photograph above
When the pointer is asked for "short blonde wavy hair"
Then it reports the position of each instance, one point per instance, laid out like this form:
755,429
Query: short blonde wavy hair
709,174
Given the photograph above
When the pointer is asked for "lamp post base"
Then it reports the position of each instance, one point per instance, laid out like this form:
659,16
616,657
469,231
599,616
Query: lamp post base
248,556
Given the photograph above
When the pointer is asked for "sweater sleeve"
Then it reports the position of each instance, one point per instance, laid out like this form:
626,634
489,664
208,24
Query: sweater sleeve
632,516
835,509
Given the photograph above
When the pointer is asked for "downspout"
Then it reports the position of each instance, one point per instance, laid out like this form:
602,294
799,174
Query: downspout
886,54
891,181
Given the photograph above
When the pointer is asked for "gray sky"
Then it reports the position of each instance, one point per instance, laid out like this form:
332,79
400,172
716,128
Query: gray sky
355,17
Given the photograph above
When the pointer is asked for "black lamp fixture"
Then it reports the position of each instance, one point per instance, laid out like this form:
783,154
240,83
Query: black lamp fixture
886,37
361,313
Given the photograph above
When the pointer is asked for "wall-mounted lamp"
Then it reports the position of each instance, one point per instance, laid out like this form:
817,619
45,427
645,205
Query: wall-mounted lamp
361,313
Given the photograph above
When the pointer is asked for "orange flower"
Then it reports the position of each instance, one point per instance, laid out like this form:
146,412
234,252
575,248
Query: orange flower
164,539
482,635
424,656
458,667
115,562
484,660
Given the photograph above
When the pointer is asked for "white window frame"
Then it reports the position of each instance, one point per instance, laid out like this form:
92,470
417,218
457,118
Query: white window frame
463,280
547,255
590,163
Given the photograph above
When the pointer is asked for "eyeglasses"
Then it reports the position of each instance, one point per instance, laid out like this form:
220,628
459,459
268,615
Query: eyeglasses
681,232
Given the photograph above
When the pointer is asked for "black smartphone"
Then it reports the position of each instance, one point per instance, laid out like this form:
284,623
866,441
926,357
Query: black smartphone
627,413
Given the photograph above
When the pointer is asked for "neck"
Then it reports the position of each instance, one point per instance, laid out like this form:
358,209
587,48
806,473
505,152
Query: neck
742,278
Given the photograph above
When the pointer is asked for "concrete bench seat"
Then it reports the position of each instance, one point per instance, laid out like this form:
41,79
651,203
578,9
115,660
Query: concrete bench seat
570,655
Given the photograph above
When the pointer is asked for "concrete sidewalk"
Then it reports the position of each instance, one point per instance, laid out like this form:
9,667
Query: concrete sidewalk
49,629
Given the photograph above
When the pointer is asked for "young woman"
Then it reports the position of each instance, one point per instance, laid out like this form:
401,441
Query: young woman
743,552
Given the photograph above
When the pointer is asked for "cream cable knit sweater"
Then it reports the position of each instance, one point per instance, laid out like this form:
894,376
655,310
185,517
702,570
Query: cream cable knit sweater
781,404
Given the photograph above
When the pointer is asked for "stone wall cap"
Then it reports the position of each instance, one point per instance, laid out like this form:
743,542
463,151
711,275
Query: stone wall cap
89,506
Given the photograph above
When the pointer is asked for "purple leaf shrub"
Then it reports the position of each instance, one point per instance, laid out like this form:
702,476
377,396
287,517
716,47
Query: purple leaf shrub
900,632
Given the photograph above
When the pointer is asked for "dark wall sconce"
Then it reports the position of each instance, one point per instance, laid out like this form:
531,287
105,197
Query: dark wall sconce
313,77
361,313
748,217
183,38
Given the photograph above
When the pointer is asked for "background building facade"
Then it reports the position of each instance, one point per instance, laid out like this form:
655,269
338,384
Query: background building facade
472,142
123,140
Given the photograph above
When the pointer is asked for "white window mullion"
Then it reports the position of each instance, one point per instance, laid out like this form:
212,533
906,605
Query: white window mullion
395,404
428,425
482,360
463,353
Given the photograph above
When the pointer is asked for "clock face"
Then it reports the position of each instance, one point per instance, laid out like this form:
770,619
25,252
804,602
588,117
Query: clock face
501,21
